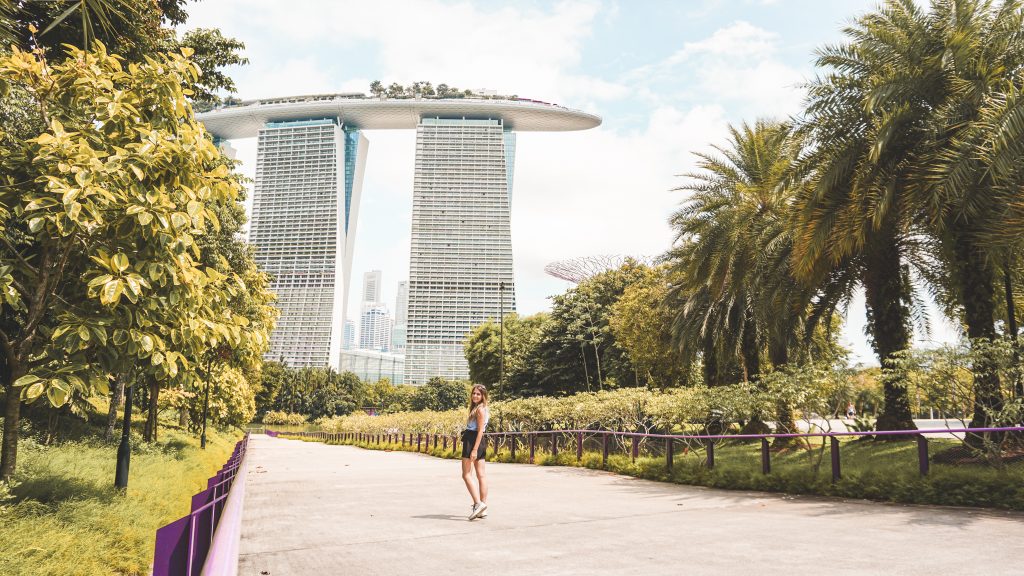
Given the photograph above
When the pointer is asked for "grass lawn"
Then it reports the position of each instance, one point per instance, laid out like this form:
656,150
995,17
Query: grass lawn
884,471
67,519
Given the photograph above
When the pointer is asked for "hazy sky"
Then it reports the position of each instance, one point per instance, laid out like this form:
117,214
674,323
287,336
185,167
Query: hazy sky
666,77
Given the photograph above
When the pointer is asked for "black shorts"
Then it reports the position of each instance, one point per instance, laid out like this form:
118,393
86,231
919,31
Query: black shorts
468,439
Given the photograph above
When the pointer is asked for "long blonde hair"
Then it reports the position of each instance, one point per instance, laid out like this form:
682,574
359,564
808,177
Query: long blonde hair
483,394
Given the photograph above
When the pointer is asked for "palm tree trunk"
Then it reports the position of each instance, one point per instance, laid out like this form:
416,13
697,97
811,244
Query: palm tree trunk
709,362
886,293
977,288
1011,328
784,421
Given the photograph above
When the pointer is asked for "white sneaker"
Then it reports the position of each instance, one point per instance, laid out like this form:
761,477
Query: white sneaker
478,509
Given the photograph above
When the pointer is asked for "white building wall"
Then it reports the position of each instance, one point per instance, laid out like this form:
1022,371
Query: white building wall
461,244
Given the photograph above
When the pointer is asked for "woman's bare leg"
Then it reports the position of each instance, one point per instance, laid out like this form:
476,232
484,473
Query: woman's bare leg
467,477
481,476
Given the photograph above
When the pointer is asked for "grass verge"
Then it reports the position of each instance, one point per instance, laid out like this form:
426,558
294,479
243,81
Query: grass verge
66,518
882,471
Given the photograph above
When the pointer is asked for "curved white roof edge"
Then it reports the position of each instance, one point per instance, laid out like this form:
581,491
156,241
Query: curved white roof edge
245,120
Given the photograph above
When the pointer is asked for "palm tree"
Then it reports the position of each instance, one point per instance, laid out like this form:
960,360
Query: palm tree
738,298
969,168
852,217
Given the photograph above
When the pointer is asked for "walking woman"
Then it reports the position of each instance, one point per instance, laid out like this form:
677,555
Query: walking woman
474,450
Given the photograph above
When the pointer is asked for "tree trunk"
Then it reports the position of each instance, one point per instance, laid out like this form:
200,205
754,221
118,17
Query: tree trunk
12,416
115,403
597,363
1011,329
977,288
751,351
709,362
886,294
151,422
784,421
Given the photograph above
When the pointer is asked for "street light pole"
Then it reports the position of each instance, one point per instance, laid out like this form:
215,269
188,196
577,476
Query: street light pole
501,331
124,450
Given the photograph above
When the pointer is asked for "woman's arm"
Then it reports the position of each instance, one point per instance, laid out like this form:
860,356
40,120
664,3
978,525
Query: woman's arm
480,434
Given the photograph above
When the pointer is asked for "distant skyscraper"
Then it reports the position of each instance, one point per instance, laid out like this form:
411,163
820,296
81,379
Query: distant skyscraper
350,335
308,180
461,246
375,328
401,312
402,303
371,286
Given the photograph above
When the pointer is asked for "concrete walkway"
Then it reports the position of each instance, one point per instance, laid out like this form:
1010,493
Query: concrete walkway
329,510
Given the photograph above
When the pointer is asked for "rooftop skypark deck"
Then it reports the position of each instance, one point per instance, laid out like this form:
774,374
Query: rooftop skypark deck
244,120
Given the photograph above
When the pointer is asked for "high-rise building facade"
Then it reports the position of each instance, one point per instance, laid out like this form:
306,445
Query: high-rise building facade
349,341
310,160
371,286
461,252
375,328
302,215
401,313
402,303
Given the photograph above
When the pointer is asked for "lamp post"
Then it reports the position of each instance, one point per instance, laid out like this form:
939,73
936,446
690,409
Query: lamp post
124,449
501,332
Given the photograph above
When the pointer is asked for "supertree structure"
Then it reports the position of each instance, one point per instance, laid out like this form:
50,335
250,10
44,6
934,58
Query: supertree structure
577,270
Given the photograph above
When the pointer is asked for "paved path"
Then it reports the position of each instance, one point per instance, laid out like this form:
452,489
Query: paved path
326,510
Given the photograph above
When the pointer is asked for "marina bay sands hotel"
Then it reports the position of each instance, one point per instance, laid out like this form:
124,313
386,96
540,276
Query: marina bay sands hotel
311,155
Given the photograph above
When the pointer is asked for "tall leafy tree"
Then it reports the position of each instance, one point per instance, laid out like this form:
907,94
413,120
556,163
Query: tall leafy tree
853,217
736,296
974,66
100,211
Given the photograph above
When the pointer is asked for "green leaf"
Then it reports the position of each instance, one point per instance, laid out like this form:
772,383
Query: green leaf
179,219
26,380
111,292
36,224
83,333
120,262
33,391
156,359
57,393
145,218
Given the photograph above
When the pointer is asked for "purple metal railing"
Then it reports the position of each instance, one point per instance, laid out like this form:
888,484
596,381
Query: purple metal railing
182,545
705,440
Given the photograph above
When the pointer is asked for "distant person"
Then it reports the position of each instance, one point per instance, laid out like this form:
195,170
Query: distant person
474,450
850,410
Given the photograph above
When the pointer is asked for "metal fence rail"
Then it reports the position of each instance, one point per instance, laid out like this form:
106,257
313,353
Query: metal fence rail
634,443
183,545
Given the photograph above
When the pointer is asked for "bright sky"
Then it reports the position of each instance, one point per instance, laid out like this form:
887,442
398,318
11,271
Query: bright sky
667,77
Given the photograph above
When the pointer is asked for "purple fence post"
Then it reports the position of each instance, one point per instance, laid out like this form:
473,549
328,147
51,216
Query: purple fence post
922,454
835,459
444,444
419,442
604,450
512,445
533,446
579,446
554,444
710,462
635,451
766,457
403,439
668,454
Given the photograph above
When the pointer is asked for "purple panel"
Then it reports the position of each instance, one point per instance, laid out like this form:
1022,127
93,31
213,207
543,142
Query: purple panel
171,548
202,498
203,533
